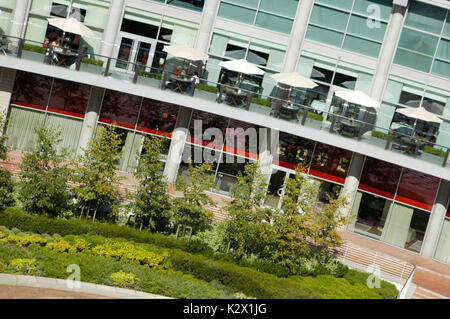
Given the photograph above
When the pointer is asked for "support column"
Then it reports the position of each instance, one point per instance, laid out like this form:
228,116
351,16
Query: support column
206,25
352,182
436,220
7,77
90,117
112,27
388,49
19,18
268,148
177,143
297,35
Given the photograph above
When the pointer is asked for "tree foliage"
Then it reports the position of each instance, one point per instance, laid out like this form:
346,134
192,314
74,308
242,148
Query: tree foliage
6,180
44,176
248,227
151,202
189,209
96,170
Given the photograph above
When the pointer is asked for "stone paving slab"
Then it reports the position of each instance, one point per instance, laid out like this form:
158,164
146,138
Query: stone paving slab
20,284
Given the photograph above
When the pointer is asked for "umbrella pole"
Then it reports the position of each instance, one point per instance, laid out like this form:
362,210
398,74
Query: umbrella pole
415,127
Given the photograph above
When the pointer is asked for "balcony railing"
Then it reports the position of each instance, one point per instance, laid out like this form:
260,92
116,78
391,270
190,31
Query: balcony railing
229,96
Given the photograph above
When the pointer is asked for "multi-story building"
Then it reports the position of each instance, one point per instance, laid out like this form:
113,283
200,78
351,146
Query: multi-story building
397,51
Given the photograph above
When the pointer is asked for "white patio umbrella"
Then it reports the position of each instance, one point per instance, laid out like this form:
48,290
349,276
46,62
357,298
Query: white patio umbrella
71,25
241,66
419,113
185,52
358,97
294,79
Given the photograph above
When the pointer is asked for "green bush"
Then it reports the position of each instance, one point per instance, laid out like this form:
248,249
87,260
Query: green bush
434,151
380,135
92,61
26,240
260,101
386,290
124,279
24,265
150,75
34,48
207,88
6,189
98,270
246,280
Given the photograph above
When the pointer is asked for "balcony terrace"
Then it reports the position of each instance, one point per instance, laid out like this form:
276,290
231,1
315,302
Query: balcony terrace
267,111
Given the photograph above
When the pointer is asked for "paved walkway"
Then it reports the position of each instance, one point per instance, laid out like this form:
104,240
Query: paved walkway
30,287
430,275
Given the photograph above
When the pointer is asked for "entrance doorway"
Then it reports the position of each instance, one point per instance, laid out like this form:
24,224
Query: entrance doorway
134,50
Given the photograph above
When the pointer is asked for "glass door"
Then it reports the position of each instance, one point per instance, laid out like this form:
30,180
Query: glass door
134,50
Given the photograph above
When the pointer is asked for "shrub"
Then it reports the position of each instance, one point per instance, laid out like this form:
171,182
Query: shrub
434,151
26,240
6,189
246,280
207,88
34,48
24,265
15,230
260,101
150,75
59,245
124,279
3,267
381,135
92,61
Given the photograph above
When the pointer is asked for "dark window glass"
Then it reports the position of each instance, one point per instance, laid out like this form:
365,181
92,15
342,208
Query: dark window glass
410,99
243,139
328,190
322,75
212,123
59,10
157,117
31,90
344,80
78,14
121,108
372,214
228,170
69,98
330,163
380,177
417,189
197,155
165,35
416,233
294,150
136,27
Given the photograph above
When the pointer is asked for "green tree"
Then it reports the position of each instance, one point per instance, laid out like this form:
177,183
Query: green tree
44,176
151,202
189,209
96,171
248,227
6,180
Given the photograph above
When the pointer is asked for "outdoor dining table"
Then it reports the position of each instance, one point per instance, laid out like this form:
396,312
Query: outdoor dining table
236,96
289,110
181,82
349,127
65,57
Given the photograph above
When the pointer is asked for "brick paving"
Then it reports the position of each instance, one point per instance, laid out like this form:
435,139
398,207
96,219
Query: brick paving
20,292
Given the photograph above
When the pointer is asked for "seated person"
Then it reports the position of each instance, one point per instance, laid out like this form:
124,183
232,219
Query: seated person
179,71
54,44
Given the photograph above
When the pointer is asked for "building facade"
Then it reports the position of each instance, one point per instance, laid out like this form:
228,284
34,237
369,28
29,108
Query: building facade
396,51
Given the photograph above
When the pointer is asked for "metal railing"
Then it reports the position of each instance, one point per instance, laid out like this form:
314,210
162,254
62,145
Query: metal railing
305,115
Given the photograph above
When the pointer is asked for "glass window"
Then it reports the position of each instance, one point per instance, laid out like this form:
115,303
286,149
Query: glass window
198,155
285,7
358,26
294,150
59,10
380,177
323,35
330,163
444,50
69,98
31,90
157,117
371,214
441,68
344,4
209,123
275,188
425,17
144,29
406,227
417,189
362,46
418,42
237,13
367,7
228,171
274,23
120,108
328,17
243,139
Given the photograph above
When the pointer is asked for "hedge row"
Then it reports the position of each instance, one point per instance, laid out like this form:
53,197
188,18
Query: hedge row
16,218
98,270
